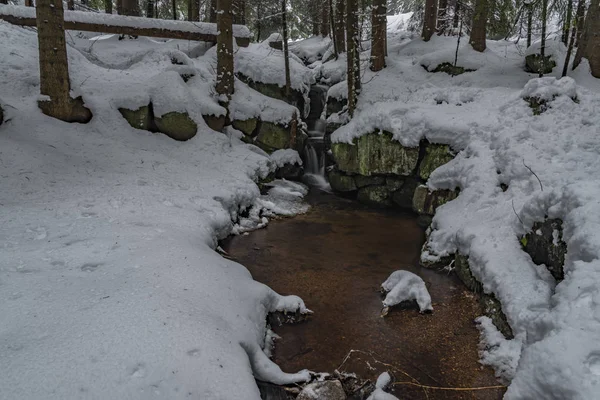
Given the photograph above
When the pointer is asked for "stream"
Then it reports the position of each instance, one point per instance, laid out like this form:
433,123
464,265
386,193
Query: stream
335,257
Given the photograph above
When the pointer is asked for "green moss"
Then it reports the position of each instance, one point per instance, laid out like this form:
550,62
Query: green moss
375,154
272,136
362,181
214,122
377,196
247,126
426,202
341,182
436,155
140,118
176,125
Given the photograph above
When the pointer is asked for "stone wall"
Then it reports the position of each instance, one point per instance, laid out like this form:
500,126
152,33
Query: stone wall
176,125
270,136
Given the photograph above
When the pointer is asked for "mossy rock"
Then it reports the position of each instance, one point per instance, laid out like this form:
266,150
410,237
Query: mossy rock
393,184
247,127
451,69
216,123
436,155
176,125
426,202
545,246
341,182
276,92
533,63
272,136
141,118
68,110
331,127
362,181
403,197
376,196
375,154
490,304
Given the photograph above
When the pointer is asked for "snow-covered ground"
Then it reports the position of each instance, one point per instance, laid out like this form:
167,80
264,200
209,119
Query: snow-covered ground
109,283
483,116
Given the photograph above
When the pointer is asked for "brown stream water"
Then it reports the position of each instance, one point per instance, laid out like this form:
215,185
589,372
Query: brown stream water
335,257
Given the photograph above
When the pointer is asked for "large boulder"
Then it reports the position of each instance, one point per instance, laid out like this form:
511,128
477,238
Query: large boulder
425,202
545,246
275,91
436,155
362,181
216,123
341,182
272,136
247,126
533,63
376,196
375,153
141,118
176,125
335,105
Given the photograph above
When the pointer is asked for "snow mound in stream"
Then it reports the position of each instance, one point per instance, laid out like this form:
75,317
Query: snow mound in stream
405,286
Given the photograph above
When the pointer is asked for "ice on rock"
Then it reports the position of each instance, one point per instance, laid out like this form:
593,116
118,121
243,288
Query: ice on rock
405,286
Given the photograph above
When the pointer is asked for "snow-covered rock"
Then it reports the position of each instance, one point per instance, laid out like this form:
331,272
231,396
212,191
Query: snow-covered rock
405,286
383,382
325,390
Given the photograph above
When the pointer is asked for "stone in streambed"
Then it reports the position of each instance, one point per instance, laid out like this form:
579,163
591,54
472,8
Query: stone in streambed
341,182
326,390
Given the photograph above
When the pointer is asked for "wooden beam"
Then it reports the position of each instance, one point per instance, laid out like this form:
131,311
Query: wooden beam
124,25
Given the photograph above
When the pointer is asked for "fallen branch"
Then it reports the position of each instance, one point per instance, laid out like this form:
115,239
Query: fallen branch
458,389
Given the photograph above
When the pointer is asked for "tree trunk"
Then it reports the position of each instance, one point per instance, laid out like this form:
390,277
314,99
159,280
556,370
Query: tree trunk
429,19
333,32
571,43
456,14
120,7
108,6
529,23
479,26
239,12
2,2
54,68
340,29
149,9
324,28
29,3
225,72
568,21
286,52
315,16
353,54
580,21
378,34
70,4
174,7
213,11
543,38
130,7
442,14
590,41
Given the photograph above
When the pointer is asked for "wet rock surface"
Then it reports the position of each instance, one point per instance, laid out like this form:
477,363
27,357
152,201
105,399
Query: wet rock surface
335,258
545,246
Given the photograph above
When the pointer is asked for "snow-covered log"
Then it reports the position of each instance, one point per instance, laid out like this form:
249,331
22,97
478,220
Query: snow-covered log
120,24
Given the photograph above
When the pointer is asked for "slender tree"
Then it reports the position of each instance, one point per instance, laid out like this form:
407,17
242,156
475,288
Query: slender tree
130,7
571,42
479,26
324,27
378,35
315,17
239,12
2,2
174,7
353,74
580,21
70,4
150,8
429,20
108,6
340,29
286,51
589,44
55,84
543,38
568,22
225,73
529,21
120,7
213,11
442,23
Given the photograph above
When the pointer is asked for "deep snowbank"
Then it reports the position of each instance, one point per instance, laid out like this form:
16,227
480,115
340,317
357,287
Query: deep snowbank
109,285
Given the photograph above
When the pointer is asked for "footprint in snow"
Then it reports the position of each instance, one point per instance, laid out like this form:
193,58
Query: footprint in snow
90,267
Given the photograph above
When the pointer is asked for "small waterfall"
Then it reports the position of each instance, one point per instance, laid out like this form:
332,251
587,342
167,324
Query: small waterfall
314,150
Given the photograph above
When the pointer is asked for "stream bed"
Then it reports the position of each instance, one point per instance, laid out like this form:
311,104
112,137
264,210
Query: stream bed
335,257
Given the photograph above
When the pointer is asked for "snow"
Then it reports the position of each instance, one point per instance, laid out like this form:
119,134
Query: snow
285,156
548,88
383,381
109,283
405,286
311,49
240,31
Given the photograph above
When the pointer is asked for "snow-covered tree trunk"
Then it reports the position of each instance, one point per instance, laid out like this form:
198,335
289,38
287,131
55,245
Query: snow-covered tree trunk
589,46
225,77
378,35
324,27
149,8
353,74
54,69
108,6
70,4
340,29
286,52
479,26
239,12
429,19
